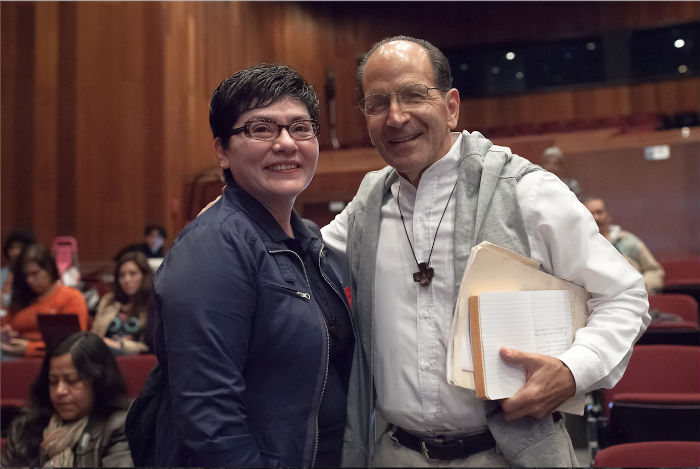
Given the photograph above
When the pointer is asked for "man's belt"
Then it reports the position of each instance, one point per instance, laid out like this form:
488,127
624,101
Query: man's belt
445,448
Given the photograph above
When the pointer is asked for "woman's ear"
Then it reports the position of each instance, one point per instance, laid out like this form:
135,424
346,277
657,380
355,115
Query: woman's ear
221,153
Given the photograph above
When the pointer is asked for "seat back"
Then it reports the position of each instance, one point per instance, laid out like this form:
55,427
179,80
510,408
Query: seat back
650,454
658,369
17,377
684,306
682,271
65,250
135,369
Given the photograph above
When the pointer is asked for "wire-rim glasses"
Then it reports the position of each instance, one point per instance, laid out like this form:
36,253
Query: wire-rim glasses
267,129
407,95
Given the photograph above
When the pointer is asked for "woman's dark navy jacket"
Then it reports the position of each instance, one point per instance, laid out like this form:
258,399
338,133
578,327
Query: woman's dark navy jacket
244,346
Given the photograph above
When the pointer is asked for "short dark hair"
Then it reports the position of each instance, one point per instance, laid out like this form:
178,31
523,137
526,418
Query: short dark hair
442,73
22,293
95,364
18,236
158,228
252,88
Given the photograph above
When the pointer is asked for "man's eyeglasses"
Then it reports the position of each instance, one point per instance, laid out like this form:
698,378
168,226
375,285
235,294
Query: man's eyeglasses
408,95
266,129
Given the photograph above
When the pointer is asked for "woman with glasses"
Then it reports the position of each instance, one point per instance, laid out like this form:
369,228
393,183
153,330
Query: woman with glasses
253,330
122,315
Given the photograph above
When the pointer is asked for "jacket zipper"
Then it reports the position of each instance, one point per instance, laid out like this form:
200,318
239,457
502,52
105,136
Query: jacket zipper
328,348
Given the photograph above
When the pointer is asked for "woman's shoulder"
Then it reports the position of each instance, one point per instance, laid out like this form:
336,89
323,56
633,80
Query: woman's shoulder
64,291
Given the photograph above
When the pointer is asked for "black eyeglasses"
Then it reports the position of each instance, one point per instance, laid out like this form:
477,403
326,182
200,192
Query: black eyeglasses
408,95
266,129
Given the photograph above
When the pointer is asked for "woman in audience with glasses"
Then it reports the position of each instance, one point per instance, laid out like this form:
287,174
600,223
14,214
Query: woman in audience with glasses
122,314
253,327
75,415
36,289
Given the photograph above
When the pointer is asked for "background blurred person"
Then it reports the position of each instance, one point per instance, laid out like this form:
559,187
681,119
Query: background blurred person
13,247
553,161
122,315
75,416
36,289
629,245
152,247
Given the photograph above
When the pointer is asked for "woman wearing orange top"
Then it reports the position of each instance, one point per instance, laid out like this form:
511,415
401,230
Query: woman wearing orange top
36,289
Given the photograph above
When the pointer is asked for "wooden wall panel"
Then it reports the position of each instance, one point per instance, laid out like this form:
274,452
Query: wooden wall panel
46,33
17,163
105,104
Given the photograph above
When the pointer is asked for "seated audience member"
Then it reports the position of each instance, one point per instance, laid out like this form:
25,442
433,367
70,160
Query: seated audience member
121,317
553,161
36,289
152,247
628,244
13,247
76,410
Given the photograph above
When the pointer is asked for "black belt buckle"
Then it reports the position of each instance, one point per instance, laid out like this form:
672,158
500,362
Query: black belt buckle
439,443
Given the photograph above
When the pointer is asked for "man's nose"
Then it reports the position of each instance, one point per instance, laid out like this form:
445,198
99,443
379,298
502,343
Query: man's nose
396,116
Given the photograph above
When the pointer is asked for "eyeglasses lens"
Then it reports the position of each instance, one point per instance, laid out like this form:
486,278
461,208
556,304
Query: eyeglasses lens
408,95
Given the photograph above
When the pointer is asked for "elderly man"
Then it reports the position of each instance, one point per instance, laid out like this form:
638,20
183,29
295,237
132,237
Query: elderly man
405,239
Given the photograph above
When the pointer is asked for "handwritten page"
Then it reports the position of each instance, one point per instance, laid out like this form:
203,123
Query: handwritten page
530,321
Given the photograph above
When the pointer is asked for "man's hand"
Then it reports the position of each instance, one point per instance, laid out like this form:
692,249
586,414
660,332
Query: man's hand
549,383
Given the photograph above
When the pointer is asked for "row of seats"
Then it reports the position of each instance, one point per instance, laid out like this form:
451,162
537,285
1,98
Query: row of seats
657,399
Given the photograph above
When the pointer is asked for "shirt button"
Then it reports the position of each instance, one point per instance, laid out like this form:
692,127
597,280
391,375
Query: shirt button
427,313
425,365
421,218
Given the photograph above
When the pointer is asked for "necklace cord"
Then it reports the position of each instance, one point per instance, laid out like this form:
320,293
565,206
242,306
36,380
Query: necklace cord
398,194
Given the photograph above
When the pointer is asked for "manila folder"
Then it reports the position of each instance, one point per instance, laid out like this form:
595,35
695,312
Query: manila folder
493,268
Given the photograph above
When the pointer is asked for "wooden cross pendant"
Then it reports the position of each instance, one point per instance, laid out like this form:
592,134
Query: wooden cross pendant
424,275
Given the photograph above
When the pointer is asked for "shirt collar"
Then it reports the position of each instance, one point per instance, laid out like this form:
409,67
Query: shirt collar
448,164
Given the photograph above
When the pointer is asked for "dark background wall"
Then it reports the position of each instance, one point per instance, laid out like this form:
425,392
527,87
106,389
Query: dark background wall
105,106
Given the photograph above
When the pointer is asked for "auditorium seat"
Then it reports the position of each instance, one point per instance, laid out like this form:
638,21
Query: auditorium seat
658,398
65,250
681,271
135,369
17,377
684,306
674,320
650,454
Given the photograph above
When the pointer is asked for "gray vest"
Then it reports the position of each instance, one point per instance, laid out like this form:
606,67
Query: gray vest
486,210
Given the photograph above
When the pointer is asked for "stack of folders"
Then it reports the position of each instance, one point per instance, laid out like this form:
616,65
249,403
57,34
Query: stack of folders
505,300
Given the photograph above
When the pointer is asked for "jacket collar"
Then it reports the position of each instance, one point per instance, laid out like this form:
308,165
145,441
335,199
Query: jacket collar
264,219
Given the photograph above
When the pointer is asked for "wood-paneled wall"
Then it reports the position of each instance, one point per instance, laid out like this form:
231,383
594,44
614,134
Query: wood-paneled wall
105,104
